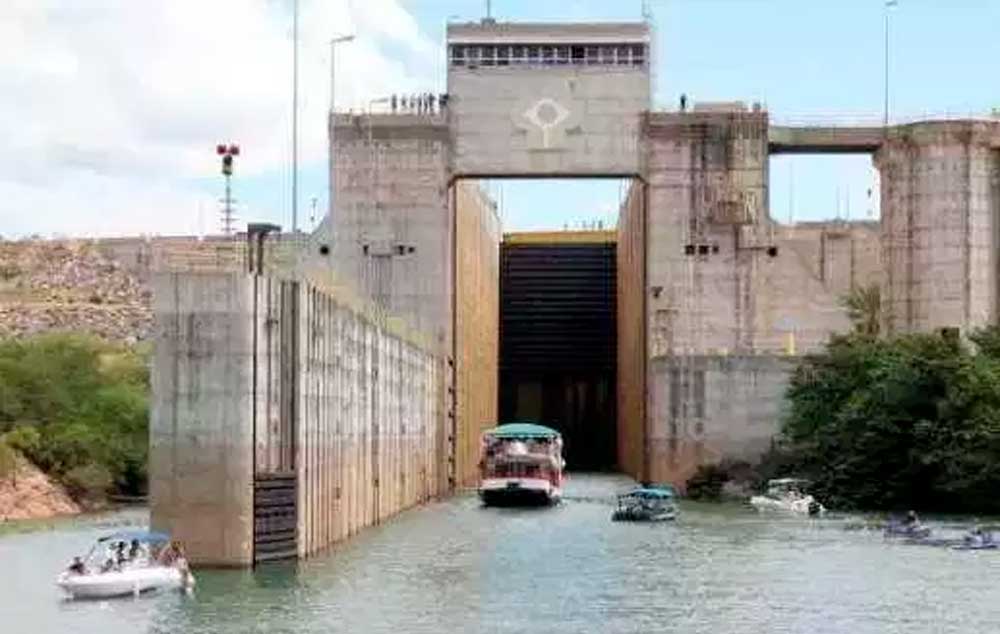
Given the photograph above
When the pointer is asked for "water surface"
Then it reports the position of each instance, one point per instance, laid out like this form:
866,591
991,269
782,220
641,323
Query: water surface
455,567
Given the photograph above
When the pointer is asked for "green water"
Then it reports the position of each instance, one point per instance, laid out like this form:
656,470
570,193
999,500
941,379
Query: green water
455,567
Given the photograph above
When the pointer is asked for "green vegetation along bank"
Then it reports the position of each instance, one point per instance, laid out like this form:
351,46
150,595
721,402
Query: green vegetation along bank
77,407
910,421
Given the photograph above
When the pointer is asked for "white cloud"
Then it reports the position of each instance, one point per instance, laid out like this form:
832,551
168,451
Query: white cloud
111,108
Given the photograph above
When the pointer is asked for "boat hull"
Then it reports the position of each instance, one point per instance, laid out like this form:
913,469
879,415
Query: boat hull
120,583
518,491
806,506
626,515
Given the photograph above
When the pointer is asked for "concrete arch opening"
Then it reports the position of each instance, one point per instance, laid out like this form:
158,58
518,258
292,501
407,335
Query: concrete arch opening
559,312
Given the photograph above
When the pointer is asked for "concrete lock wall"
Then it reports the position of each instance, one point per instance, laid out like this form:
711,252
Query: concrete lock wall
477,314
706,408
631,324
390,232
370,422
201,439
939,224
347,401
707,230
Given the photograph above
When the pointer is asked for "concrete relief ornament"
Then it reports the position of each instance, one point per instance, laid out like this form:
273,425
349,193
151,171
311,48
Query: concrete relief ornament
545,120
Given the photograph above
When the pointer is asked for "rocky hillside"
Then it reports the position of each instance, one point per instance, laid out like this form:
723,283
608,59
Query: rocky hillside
30,494
56,286
103,287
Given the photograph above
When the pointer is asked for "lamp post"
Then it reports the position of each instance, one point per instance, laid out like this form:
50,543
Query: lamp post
333,56
889,4
333,109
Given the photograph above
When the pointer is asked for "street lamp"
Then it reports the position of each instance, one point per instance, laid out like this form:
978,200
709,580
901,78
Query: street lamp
332,123
885,110
333,56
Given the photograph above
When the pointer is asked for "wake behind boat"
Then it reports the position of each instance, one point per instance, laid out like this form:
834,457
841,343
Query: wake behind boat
787,495
152,562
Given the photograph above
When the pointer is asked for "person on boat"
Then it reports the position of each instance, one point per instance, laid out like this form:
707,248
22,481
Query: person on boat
911,521
77,567
133,551
120,557
108,565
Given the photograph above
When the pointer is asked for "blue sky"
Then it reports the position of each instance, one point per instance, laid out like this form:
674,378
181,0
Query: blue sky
112,108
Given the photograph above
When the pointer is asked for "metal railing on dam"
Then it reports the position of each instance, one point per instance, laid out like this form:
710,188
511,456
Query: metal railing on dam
285,417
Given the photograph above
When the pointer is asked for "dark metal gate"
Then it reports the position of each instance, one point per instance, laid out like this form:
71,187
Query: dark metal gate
558,343
275,405
275,518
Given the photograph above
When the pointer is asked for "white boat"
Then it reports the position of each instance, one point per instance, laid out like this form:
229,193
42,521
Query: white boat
153,563
787,495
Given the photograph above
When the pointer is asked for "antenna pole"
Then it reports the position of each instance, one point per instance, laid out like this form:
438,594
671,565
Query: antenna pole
295,116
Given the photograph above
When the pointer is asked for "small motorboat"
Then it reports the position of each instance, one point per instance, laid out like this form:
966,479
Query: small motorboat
908,528
787,495
910,532
977,539
646,504
152,562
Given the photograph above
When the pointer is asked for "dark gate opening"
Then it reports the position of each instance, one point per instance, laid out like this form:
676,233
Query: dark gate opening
558,340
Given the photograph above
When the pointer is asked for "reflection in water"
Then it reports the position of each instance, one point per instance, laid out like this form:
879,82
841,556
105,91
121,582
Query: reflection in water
456,567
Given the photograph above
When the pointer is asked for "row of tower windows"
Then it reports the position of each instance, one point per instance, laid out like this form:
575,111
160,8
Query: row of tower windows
548,54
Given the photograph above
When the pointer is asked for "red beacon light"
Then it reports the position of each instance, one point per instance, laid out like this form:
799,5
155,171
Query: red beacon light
234,150
220,149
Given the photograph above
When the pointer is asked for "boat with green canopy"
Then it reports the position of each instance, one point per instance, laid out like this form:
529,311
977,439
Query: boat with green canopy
521,463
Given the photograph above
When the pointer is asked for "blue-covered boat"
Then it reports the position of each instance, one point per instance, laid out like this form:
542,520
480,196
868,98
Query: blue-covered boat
651,503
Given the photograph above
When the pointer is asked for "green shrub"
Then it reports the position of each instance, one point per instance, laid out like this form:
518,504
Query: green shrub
87,482
706,483
25,439
8,461
71,401
907,422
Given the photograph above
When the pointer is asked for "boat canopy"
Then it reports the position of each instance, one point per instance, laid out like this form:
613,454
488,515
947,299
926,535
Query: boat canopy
141,536
512,431
651,493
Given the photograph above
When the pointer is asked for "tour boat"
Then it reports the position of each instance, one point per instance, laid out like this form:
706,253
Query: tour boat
646,504
521,463
786,495
107,571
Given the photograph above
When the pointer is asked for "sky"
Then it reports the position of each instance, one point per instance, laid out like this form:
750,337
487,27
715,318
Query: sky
111,109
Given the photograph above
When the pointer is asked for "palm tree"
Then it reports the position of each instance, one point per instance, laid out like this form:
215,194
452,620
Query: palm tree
864,309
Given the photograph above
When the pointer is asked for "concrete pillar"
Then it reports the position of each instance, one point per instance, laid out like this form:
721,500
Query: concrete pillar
201,463
389,231
708,179
939,222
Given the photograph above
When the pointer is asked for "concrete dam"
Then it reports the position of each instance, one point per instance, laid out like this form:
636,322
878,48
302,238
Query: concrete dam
352,377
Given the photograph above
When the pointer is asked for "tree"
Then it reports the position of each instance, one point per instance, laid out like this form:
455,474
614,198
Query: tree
864,309
78,408
907,422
